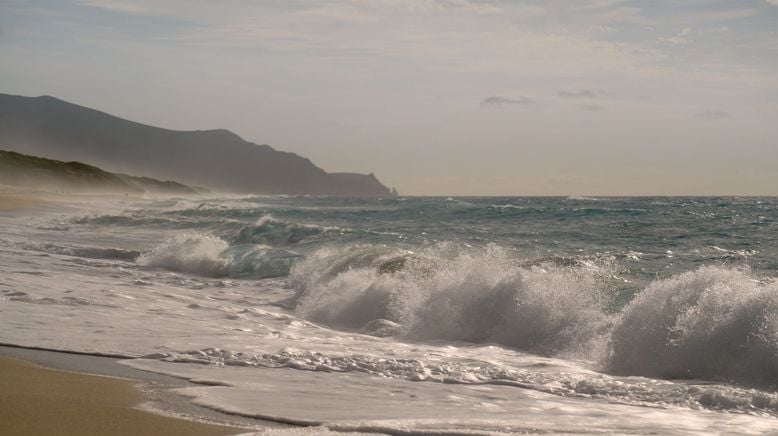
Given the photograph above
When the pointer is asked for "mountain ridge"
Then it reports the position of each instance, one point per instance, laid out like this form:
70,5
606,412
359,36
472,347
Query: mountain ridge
217,158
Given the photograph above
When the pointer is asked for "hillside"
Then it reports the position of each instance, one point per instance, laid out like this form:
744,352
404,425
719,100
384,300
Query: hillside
75,177
217,159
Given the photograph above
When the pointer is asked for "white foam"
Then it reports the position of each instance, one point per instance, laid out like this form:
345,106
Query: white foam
358,402
192,253
449,293
712,323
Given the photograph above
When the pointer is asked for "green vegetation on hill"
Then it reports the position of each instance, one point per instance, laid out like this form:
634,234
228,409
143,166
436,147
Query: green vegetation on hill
18,169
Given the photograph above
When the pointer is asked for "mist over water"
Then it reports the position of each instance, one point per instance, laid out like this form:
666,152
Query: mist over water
618,299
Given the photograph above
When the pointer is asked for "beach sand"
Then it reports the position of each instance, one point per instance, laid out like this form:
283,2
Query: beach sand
36,401
10,202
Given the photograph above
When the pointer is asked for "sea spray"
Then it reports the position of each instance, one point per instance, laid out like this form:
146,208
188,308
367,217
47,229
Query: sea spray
712,323
447,292
191,253
343,287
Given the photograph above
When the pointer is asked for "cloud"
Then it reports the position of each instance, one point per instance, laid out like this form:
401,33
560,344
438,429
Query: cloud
721,29
680,38
603,12
591,107
596,4
470,6
772,2
583,93
712,114
502,101
727,15
674,40
122,6
600,29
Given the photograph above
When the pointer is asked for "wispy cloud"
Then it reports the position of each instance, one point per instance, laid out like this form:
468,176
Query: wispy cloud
727,15
502,101
124,6
596,5
583,93
475,7
681,38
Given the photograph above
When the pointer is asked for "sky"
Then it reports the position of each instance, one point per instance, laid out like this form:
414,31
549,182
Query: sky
436,97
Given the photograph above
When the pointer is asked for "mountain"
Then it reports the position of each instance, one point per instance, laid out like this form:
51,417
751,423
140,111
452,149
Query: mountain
218,159
18,169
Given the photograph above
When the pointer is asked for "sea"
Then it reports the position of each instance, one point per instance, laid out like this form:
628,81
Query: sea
418,315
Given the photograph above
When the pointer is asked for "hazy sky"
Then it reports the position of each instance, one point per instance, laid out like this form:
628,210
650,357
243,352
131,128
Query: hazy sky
466,97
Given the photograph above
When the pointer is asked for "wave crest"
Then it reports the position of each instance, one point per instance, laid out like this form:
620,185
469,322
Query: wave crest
711,323
190,253
211,256
451,293
270,231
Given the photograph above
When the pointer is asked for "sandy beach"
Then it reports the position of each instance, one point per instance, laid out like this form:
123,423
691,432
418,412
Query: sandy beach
35,400
10,202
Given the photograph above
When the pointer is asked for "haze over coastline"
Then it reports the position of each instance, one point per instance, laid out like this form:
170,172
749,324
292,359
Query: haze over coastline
217,159
588,97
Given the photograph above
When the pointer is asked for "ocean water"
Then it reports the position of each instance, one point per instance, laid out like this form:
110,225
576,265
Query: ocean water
419,315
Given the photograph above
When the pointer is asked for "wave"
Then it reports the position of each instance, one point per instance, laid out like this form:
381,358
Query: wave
445,292
508,206
713,323
197,218
134,219
85,251
190,253
210,256
270,231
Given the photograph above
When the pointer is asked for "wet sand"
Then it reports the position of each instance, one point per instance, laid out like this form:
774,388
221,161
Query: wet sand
35,400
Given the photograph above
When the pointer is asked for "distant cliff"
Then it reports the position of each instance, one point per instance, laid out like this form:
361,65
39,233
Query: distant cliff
217,159
18,169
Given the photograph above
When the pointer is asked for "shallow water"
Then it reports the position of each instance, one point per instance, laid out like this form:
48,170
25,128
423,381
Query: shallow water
453,315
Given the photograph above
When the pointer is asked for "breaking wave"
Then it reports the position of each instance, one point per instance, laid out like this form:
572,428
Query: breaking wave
210,256
270,231
191,253
712,323
453,294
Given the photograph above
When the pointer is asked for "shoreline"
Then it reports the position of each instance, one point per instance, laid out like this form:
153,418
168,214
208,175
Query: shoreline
44,391
14,202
